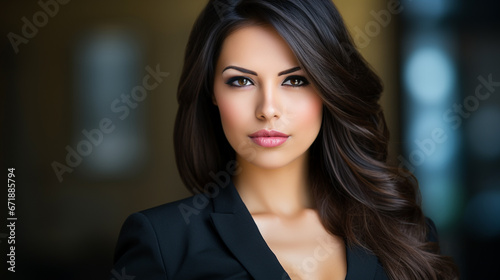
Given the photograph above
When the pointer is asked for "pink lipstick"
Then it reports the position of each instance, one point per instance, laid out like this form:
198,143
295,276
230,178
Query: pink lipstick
268,138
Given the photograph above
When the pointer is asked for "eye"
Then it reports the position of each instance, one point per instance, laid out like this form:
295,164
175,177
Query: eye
239,82
295,81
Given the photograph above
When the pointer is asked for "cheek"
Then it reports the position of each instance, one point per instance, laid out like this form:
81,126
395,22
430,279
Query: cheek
309,113
230,114
234,115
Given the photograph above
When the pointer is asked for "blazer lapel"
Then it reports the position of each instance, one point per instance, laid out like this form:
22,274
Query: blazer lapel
241,235
239,232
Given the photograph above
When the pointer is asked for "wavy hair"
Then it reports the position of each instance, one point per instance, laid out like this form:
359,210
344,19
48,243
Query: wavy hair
358,194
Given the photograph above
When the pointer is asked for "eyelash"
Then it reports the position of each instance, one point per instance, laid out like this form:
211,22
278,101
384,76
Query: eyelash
302,80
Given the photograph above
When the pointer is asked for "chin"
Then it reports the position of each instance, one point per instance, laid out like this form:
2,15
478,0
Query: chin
271,160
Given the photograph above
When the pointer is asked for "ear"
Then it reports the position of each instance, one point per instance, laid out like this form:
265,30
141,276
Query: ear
213,100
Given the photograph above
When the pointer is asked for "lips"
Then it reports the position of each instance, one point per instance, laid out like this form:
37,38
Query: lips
268,138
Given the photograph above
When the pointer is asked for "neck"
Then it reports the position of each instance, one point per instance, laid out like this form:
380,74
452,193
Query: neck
282,191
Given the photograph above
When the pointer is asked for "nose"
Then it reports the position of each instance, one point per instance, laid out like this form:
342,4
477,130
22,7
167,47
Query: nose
270,105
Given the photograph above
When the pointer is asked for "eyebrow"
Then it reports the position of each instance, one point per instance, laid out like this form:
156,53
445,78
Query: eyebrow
291,70
288,71
241,70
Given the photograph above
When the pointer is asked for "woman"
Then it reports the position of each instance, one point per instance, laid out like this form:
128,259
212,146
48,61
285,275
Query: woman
280,135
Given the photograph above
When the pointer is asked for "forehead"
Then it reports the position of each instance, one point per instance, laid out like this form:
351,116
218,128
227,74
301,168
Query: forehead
256,47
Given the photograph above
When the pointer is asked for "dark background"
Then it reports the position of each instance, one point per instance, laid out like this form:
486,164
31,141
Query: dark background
84,55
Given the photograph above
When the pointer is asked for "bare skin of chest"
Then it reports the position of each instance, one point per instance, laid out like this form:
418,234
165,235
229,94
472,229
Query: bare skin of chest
303,247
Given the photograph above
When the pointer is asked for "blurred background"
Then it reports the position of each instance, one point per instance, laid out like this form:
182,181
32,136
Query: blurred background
90,146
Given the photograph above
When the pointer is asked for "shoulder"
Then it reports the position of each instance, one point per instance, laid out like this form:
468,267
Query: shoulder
372,268
178,214
152,242
362,263
168,218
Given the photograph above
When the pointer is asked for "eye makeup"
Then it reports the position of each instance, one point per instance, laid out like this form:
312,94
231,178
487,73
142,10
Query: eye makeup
295,81
239,81
292,81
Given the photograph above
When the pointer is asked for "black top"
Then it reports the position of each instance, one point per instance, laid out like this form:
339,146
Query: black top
210,238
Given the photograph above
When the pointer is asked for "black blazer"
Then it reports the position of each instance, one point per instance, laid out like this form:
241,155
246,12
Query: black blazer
209,238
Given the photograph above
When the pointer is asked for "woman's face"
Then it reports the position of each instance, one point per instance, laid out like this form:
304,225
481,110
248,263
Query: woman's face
269,111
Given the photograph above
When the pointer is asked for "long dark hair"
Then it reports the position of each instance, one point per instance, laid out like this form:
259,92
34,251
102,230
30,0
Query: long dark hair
358,195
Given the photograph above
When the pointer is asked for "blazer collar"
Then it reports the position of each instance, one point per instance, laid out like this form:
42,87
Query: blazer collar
238,230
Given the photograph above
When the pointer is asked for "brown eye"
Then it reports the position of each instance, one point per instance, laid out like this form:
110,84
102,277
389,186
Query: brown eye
242,82
239,82
296,81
